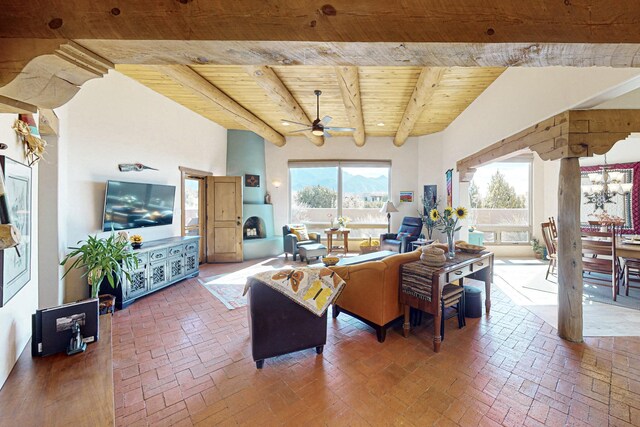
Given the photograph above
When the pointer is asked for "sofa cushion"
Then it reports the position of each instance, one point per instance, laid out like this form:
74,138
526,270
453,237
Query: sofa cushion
300,232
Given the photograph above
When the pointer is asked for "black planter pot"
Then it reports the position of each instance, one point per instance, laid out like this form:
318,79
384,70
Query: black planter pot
106,289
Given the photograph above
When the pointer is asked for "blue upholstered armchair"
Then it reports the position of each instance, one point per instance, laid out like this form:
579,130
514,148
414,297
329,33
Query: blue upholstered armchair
401,241
292,242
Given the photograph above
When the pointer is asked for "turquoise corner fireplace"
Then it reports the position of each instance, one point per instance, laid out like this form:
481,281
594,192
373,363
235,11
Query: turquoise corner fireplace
245,155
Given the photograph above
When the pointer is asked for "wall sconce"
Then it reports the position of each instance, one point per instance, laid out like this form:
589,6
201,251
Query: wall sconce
276,183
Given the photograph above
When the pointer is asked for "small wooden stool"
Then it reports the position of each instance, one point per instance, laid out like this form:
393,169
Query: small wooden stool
452,295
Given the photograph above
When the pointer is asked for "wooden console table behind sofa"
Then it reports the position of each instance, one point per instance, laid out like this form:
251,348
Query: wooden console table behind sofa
61,390
429,281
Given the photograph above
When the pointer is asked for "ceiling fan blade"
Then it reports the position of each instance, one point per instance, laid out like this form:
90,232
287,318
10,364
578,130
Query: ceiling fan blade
295,123
340,129
327,134
326,119
300,130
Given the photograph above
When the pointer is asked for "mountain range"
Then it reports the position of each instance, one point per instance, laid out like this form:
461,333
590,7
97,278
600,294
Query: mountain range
357,184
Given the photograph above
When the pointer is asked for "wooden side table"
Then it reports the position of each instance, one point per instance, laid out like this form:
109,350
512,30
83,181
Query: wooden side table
341,231
421,286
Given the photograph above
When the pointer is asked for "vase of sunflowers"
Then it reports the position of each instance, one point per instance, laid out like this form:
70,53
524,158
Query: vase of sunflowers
447,222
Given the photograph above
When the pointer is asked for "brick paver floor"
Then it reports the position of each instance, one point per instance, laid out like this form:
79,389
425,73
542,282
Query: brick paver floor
181,358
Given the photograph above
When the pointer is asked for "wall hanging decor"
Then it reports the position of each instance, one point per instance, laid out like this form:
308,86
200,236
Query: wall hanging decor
449,180
15,268
251,180
134,167
27,131
406,196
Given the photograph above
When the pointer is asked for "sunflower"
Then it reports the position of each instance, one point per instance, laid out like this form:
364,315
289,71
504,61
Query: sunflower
461,212
434,215
448,211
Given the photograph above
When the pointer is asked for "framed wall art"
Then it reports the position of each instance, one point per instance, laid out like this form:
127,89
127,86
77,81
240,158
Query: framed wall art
251,180
15,268
429,196
406,196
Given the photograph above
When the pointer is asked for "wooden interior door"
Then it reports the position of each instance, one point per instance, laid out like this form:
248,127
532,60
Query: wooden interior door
224,219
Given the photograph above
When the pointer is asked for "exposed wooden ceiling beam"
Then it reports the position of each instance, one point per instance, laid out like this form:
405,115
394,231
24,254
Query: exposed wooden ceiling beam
425,87
349,82
364,53
495,21
8,105
280,94
575,133
207,91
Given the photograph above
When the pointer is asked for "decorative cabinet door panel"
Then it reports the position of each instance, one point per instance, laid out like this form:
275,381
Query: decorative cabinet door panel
138,283
158,274
190,262
176,268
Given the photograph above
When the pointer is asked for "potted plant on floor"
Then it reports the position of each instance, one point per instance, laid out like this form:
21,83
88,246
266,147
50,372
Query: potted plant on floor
105,261
538,249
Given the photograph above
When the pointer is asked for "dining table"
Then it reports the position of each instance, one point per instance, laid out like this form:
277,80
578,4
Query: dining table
627,249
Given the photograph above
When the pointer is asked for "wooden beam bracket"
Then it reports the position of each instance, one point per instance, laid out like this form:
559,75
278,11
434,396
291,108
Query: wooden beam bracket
574,133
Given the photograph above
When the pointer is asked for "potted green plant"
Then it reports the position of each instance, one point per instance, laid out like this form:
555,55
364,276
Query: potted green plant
538,249
105,261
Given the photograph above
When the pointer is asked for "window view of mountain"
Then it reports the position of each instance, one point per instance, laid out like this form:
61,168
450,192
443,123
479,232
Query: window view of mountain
328,177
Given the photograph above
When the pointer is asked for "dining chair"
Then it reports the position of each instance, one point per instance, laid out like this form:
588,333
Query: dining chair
600,263
554,229
631,266
547,235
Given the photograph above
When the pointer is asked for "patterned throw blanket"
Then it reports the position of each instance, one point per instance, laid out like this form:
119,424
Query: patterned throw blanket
311,287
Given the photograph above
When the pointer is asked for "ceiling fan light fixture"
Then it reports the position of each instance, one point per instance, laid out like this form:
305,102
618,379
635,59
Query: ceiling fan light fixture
317,132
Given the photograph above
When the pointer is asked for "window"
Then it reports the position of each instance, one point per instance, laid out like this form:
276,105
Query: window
500,201
322,191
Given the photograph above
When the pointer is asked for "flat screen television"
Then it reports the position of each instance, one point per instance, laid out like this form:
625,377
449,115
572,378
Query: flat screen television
134,205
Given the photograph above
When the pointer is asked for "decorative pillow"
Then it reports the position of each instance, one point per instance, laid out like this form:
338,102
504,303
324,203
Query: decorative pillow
300,232
402,234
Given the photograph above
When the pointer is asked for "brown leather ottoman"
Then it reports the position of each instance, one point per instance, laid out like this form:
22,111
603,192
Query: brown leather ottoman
279,326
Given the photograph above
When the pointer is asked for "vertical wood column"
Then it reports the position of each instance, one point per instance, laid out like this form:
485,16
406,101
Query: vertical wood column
569,252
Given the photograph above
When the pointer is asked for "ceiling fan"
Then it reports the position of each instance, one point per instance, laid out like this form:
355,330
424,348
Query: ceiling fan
318,127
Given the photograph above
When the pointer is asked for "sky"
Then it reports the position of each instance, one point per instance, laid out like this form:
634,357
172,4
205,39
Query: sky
516,174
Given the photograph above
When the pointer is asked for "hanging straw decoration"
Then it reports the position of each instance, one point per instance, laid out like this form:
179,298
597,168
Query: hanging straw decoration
33,146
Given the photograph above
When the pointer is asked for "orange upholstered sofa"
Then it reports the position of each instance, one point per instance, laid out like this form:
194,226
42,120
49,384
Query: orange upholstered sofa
372,291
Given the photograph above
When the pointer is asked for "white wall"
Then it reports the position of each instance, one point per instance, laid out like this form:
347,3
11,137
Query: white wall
15,317
117,120
404,171
519,98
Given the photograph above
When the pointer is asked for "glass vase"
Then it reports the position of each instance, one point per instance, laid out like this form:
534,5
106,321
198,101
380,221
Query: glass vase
451,244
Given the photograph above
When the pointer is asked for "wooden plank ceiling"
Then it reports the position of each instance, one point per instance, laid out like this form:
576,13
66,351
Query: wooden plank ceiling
385,94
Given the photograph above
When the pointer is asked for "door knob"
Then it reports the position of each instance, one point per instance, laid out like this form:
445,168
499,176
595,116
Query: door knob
238,223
